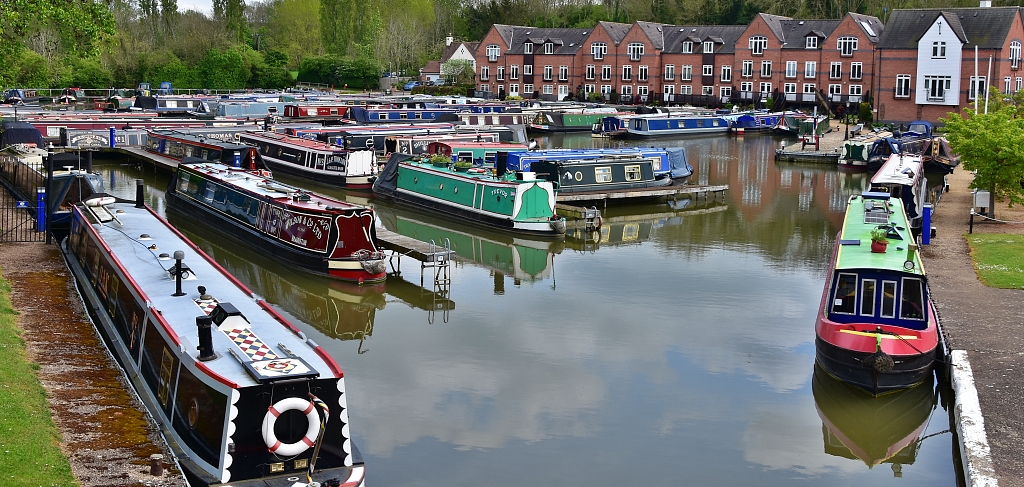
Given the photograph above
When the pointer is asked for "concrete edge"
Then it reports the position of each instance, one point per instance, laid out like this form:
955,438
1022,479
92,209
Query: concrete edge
970,425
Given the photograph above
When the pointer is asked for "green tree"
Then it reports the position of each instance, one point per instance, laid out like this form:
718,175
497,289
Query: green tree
457,72
294,28
992,144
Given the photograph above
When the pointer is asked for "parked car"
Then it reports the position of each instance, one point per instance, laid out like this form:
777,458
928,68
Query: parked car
410,85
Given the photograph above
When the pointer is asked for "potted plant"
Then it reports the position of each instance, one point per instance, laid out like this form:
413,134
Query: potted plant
463,166
440,160
879,240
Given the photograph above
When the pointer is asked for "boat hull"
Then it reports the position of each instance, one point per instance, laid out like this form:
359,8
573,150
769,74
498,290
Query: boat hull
851,366
331,178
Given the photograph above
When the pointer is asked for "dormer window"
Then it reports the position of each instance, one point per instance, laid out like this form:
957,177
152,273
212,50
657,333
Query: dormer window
549,48
688,47
528,48
758,44
493,51
811,42
709,46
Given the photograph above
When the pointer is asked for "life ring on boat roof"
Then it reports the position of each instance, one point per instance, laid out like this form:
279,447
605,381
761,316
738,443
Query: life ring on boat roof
312,430
100,201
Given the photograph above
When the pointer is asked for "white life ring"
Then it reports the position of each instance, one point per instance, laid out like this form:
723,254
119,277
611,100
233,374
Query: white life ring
312,431
100,201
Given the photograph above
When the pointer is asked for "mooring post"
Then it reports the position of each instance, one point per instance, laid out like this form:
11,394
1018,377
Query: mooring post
926,224
156,465
971,227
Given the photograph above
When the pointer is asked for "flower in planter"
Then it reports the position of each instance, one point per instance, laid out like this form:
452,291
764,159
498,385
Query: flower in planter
879,235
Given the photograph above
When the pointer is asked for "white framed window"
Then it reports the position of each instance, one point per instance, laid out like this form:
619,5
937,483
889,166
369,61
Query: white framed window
810,88
627,90
528,88
549,73
845,299
747,86
847,45
791,69
902,86
709,46
563,73
668,90
606,89
528,70
548,90
641,73
685,89
688,47
810,69
708,70
528,48
766,69
598,50
936,86
591,71
789,88
642,90
939,50
670,72
888,299
811,42
1015,55
513,71
635,50
563,91
1006,84
606,72
549,48
588,88
856,70
686,72
856,90
766,87
726,73
513,89
725,92
707,90
835,71
493,51
747,68
486,88
501,73
485,73
627,72
757,45
978,85
1018,83
835,90
603,174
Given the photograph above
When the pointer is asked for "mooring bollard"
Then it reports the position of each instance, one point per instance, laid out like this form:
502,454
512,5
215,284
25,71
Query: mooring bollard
971,227
156,465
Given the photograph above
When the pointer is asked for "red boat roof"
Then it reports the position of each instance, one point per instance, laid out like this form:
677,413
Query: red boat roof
294,141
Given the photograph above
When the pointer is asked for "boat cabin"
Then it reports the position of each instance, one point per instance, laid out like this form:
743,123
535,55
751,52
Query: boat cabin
177,145
902,177
477,153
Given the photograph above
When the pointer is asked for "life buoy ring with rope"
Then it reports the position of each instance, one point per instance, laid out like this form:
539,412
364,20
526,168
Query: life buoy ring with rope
100,201
312,430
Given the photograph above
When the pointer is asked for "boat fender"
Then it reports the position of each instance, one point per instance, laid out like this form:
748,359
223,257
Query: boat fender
100,201
312,430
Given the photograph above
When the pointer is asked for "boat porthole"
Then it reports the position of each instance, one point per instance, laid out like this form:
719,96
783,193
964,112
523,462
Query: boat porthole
193,413
441,186
578,176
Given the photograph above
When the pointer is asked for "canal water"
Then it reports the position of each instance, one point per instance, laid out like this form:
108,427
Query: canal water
673,347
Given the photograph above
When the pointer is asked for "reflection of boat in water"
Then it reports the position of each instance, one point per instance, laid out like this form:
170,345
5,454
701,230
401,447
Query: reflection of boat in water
635,228
516,256
338,309
882,429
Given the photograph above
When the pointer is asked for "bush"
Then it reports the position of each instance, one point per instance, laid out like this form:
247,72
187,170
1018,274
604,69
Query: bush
866,115
33,71
89,73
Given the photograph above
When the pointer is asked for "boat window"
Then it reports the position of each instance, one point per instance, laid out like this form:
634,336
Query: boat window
845,297
382,116
603,174
254,207
465,156
490,158
912,299
183,182
888,299
867,297
700,122
633,173
403,116
220,195
210,189
334,111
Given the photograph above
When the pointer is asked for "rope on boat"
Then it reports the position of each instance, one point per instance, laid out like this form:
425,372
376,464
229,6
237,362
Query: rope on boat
323,426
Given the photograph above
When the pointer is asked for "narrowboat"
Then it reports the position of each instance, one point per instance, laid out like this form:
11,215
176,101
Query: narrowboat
70,96
874,430
241,395
477,153
24,170
319,112
912,141
902,177
665,161
676,125
876,327
755,122
512,201
314,160
92,139
177,146
18,96
419,144
605,173
226,108
569,120
396,115
374,136
485,120
315,233
939,157
180,105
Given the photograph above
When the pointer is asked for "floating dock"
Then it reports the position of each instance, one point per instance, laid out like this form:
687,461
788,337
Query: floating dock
818,157
670,191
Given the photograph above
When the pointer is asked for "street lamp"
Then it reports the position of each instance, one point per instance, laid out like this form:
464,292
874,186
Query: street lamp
847,119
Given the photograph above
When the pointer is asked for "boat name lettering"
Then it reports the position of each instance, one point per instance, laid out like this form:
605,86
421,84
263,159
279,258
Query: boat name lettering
291,219
500,191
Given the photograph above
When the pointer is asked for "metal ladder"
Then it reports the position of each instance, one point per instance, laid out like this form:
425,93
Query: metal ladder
440,259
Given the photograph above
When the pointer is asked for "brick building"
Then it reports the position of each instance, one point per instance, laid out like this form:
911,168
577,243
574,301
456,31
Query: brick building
919,65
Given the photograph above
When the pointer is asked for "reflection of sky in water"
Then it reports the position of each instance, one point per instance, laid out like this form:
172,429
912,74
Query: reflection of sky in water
678,361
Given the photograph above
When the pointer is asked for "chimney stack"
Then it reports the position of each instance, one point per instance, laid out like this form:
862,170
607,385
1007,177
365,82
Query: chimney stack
448,40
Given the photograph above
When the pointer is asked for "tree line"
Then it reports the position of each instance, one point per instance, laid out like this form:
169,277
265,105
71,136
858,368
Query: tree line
272,43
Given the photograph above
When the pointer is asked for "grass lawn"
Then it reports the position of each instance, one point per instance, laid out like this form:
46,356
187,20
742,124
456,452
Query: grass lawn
998,259
29,451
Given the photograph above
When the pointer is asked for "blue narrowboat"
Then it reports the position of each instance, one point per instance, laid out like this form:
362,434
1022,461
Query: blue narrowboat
677,125
393,115
665,161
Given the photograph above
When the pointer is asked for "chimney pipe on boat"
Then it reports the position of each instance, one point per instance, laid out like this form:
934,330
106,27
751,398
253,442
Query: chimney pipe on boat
140,192
178,257
205,325
501,163
88,161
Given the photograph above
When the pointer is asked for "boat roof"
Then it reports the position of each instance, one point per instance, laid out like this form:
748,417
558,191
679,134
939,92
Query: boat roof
902,169
864,213
267,187
144,245
469,144
300,142
199,139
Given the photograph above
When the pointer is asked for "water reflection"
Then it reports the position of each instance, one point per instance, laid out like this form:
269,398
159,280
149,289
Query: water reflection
875,430
637,223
